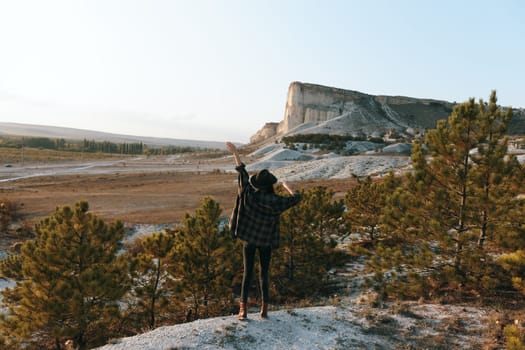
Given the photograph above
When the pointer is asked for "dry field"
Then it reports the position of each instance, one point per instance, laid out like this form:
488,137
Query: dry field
161,197
147,191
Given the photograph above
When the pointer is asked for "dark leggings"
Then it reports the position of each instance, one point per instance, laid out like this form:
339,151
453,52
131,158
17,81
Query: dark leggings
265,254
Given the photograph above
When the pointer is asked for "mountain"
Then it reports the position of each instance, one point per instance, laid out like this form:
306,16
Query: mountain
17,129
312,108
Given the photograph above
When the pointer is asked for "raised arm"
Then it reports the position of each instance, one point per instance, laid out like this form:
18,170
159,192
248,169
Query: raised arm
287,188
233,150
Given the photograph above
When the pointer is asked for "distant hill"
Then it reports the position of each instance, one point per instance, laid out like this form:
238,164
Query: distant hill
16,129
317,109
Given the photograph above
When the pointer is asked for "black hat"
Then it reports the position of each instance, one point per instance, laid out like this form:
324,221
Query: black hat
263,179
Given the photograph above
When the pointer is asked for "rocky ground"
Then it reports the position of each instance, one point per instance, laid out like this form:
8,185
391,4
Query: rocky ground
350,323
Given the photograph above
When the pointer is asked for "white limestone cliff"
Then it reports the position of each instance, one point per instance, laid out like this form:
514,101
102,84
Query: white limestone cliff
267,131
312,108
353,111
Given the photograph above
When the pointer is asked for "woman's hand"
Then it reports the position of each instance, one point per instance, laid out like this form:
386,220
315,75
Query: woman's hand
287,188
231,147
233,150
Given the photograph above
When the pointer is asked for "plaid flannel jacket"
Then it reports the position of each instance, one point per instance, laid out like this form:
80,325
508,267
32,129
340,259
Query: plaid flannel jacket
256,214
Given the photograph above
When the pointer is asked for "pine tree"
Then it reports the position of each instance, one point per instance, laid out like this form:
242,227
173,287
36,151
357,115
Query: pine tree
152,284
365,203
69,280
492,171
205,263
450,170
306,252
449,205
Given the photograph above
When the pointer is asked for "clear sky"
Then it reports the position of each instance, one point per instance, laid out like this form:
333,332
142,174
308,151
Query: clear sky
218,70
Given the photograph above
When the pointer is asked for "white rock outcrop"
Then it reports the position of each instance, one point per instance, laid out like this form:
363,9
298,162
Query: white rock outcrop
312,108
267,131
331,110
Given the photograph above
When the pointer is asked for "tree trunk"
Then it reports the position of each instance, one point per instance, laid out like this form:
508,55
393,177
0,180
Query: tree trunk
154,297
485,214
483,233
291,262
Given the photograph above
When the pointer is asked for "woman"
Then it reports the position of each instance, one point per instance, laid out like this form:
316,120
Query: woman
256,223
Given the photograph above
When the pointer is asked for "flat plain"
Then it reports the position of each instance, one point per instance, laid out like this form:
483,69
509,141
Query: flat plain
135,190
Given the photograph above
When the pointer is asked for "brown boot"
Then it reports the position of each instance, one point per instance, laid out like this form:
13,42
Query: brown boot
264,310
242,312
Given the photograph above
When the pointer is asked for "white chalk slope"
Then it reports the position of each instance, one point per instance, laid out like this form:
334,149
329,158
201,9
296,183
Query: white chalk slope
349,325
369,160
292,165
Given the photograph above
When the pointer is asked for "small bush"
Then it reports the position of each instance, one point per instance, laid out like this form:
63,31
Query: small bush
514,337
8,211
